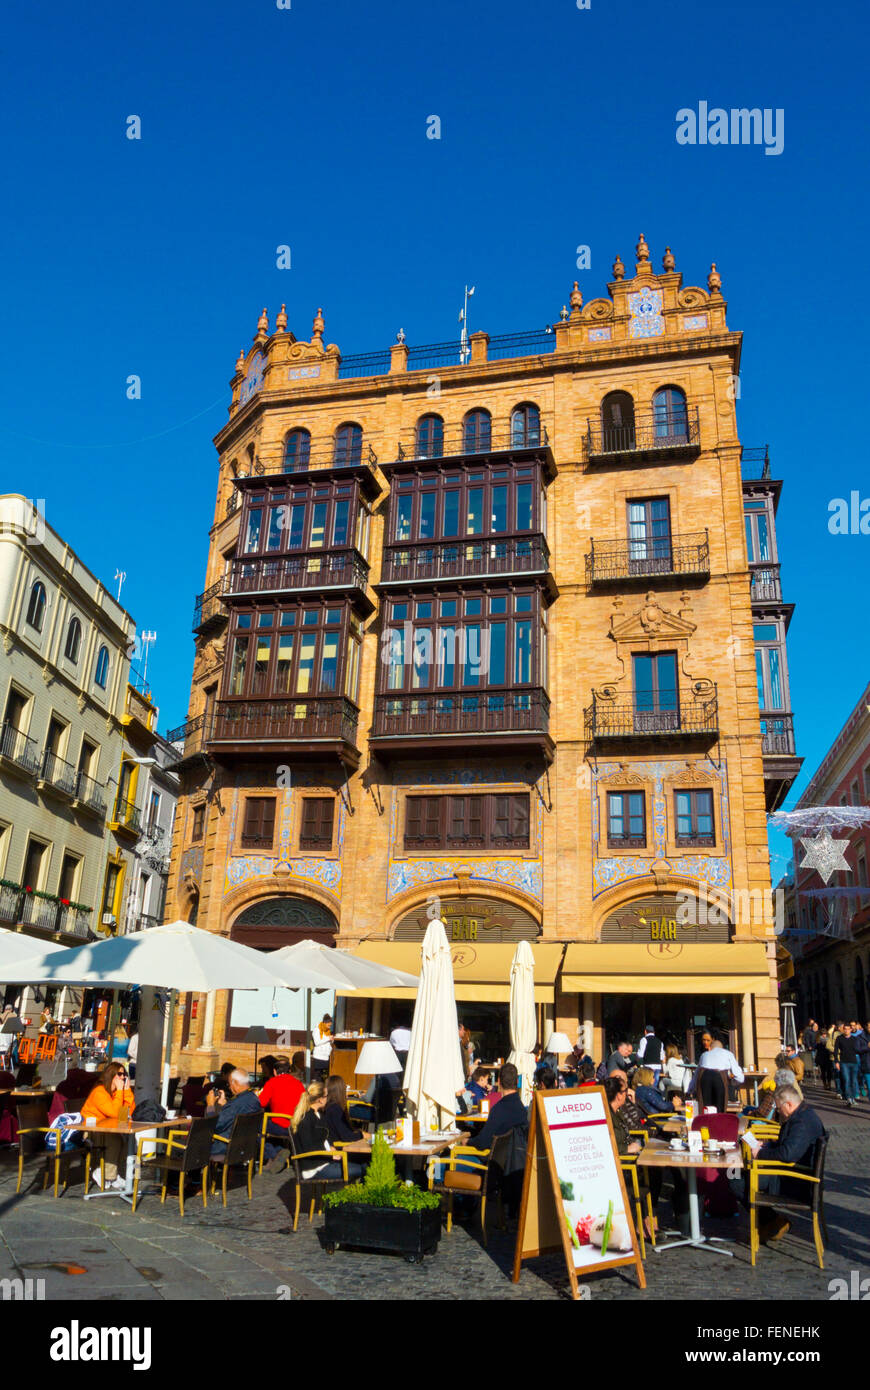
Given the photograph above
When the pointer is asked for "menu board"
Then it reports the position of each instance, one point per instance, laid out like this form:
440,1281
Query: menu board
574,1194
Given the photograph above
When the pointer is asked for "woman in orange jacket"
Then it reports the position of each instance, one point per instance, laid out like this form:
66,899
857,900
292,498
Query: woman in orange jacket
106,1101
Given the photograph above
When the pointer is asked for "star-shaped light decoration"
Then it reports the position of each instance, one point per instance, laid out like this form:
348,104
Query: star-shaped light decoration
825,854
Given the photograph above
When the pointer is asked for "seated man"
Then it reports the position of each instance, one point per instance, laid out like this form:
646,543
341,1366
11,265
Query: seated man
621,1059
242,1101
795,1143
649,1097
280,1095
480,1084
509,1115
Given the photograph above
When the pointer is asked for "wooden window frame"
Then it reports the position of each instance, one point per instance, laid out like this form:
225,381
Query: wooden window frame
628,841
307,494
197,827
320,629
461,478
440,813
694,840
250,839
317,843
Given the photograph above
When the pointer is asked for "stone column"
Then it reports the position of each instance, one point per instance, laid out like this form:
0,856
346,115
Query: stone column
747,1033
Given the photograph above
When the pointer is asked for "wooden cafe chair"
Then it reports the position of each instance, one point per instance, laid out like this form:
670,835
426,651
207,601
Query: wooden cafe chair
315,1182
813,1176
271,1137
242,1145
187,1151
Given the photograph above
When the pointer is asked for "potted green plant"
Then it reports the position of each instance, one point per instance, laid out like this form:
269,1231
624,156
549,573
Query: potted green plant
383,1213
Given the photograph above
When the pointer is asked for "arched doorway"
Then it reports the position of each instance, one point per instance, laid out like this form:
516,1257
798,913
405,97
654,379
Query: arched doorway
267,925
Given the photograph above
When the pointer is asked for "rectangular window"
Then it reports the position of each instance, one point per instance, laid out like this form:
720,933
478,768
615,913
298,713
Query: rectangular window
240,661
428,504
451,513
297,527
856,795
262,652
497,654
276,520
305,671
626,820
340,522
404,512
252,539
524,506
693,813
153,810
258,830
329,661
474,513
656,702
69,871
649,535
499,510
523,651
494,821
198,823
283,663
318,813
318,525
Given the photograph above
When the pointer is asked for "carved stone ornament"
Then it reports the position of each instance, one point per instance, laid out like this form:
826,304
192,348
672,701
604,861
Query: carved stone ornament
692,297
668,262
598,309
263,325
692,775
576,298
623,778
8,642
618,268
240,361
641,251
187,898
47,674
714,280
650,620
281,320
82,702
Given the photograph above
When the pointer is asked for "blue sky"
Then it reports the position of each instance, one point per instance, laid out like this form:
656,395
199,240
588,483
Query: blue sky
307,126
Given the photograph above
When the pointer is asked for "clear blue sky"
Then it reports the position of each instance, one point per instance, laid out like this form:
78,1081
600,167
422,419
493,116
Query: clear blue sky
307,126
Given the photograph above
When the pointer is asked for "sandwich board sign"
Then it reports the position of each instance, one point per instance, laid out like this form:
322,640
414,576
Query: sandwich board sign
574,1195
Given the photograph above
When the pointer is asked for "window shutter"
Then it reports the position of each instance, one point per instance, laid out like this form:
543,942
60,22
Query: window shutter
502,817
317,818
475,819
520,819
267,818
432,817
414,818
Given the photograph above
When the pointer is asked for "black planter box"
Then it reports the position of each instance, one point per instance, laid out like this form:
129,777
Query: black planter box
409,1233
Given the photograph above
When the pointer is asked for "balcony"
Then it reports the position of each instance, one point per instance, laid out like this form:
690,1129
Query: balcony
510,720
667,557
781,763
143,922
57,776
208,610
320,570
430,561
44,912
126,819
649,436
89,796
18,753
622,720
189,741
330,455
755,464
764,584
461,441
306,726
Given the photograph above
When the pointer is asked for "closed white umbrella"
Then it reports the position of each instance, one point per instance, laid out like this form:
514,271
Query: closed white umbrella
524,1028
434,1070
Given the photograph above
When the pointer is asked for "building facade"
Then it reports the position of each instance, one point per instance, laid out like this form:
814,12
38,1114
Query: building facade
830,941
478,639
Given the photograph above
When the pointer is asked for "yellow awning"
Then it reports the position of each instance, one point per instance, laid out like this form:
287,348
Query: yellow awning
481,973
737,968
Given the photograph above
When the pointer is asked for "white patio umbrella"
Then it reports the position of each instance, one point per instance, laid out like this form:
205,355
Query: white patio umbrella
524,1028
340,970
14,946
434,1070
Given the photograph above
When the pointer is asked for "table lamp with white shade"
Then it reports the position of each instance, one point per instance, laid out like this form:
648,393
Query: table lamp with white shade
378,1059
560,1044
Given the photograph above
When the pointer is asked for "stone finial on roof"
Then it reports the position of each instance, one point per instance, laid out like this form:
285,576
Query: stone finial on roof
281,320
642,250
714,280
263,325
563,313
318,327
668,262
618,268
576,299
240,361
400,336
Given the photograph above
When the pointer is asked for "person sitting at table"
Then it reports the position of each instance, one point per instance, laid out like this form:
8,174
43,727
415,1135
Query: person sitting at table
796,1142
280,1095
508,1117
630,1108
311,1135
242,1101
620,1059
480,1084
267,1067
587,1073
335,1113
649,1098
297,1066
545,1079
109,1096
617,1093
676,1074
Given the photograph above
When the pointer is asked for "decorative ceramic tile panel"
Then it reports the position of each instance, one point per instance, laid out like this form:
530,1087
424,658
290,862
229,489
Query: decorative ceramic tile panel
693,323
645,308
242,868
600,335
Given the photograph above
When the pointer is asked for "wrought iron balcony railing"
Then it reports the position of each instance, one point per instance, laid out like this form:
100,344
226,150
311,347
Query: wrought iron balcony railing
208,610
306,718
89,794
311,569
58,775
426,560
656,557
127,816
755,464
777,734
188,740
650,433
461,712
18,749
332,454
620,719
46,911
764,584
460,441
232,502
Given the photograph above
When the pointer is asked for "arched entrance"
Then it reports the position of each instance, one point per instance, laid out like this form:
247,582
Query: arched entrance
268,925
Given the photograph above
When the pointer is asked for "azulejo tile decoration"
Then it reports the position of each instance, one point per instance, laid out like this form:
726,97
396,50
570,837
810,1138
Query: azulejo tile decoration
609,871
600,335
693,323
244,868
524,874
645,308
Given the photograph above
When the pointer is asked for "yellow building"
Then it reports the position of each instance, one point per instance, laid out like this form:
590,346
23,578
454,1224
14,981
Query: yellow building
477,638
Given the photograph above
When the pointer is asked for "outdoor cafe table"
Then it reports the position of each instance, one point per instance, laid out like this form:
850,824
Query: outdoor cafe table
751,1078
426,1149
677,1126
658,1154
128,1127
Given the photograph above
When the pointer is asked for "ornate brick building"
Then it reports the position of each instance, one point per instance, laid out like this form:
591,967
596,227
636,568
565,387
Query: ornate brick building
477,627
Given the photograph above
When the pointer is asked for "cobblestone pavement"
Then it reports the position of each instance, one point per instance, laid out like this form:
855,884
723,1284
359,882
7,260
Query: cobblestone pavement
249,1251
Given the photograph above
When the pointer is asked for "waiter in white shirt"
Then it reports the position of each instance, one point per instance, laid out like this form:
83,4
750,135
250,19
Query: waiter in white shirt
321,1048
400,1041
717,1058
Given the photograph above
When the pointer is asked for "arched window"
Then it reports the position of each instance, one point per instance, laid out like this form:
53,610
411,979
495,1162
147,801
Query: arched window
73,640
525,426
617,422
101,674
670,415
477,432
297,450
430,437
348,444
36,606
